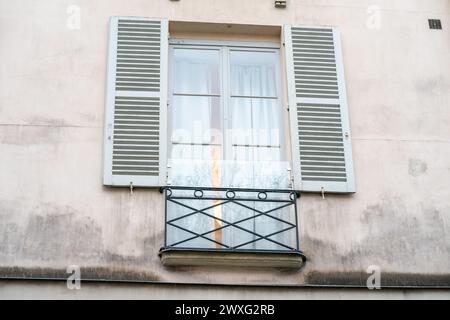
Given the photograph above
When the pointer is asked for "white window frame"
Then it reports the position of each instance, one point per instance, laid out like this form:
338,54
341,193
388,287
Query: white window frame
225,47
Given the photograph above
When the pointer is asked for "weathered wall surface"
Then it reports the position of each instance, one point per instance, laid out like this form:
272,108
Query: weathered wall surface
58,290
54,211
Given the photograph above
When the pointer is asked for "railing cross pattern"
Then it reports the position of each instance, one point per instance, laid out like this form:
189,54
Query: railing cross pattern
231,224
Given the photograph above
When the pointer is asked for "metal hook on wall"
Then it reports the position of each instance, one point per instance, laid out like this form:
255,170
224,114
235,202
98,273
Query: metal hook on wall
131,187
323,193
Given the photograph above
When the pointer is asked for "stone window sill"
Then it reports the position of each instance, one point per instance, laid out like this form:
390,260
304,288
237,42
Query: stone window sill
260,259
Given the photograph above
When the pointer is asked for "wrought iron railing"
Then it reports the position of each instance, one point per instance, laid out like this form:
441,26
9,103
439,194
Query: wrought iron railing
236,220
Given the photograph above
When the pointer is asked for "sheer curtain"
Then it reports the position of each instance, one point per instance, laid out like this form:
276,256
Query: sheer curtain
255,134
196,148
195,117
255,158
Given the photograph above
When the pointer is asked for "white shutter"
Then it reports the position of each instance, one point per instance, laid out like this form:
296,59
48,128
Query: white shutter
136,103
320,131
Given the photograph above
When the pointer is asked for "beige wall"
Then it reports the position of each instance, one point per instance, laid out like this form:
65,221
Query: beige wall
58,290
55,212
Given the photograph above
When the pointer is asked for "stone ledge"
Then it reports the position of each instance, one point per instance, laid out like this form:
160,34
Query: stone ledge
177,257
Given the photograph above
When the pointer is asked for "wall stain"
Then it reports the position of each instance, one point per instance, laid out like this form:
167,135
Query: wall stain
396,240
87,273
386,279
9,233
417,167
26,136
432,86
397,236
62,235
55,235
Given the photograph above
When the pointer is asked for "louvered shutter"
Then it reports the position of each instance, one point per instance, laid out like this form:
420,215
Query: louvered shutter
136,103
320,131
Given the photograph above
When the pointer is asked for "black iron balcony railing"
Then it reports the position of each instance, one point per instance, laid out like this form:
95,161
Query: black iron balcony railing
232,220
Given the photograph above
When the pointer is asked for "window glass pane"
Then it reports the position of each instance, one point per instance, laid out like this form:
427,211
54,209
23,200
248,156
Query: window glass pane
255,159
255,122
249,173
253,73
196,119
198,166
207,153
196,141
196,71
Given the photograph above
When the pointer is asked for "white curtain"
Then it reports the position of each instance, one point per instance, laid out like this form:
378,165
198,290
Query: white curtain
194,143
255,157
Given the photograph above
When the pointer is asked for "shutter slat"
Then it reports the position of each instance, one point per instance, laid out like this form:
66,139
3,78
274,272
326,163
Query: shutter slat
319,119
136,103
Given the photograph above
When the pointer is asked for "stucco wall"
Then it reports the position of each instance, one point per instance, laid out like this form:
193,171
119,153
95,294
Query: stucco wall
54,211
58,290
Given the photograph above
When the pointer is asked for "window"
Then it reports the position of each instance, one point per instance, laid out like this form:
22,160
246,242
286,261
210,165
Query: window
225,117
200,118
225,127
226,130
